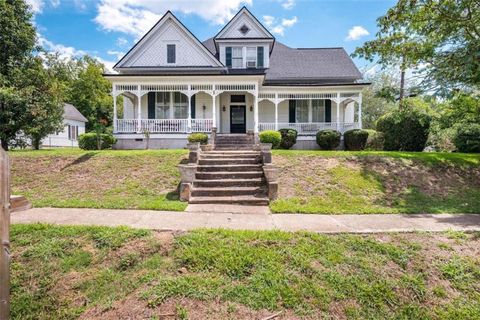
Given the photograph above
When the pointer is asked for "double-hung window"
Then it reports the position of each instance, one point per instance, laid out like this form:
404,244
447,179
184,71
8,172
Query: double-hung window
237,57
72,132
162,105
301,111
171,53
318,110
251,57
180,106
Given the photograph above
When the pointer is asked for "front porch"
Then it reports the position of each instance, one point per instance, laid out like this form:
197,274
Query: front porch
164,110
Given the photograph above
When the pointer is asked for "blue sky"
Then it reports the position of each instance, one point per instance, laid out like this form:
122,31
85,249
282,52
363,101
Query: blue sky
108,28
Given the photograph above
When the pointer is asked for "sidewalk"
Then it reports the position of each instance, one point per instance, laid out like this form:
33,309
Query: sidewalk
164,220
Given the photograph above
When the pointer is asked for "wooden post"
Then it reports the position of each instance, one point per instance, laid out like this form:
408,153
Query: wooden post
4,235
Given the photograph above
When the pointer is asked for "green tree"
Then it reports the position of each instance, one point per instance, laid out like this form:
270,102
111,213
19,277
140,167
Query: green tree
441,35
91,92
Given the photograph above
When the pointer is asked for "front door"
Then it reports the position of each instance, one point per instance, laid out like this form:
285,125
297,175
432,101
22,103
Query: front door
238,119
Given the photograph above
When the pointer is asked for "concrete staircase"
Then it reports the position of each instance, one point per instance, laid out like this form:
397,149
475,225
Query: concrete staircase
230,174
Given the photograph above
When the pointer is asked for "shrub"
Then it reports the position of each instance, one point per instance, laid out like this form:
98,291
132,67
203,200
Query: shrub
271,136
375,140
328,139
198,137
289,138
467,137
405,130
88,141
355,139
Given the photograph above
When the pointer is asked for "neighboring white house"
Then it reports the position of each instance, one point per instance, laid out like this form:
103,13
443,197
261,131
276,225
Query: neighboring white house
74,125
242,79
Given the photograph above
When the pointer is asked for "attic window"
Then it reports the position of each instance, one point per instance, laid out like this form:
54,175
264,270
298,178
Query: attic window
244,29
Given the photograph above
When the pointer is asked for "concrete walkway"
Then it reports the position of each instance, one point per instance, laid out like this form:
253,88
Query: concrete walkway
162,220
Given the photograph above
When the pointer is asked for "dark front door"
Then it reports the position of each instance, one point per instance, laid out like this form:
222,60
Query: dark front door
238,119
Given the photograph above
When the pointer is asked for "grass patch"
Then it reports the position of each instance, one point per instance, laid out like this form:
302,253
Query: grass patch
376,182
109,179
98,272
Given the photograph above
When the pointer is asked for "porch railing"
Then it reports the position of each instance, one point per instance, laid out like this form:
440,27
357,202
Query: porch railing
310,128
164,125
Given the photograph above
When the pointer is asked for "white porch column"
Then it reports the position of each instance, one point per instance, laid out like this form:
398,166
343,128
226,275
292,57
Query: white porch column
214,108
139,111
115,117
360,111
338,111
189,122
276,111
255,113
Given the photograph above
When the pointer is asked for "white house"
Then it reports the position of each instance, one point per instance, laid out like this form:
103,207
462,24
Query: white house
241,79
74,125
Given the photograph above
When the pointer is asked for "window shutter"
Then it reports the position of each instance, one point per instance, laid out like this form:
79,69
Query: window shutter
151,105
192,106
328,110
259,57
170,53
228,57
291,111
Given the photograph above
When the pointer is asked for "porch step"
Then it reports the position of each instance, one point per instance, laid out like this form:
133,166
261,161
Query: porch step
229,155
229,175
230,167
228,191
231,146
241,182
243,200
225,161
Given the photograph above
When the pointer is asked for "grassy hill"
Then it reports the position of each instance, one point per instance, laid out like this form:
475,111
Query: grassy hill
310,181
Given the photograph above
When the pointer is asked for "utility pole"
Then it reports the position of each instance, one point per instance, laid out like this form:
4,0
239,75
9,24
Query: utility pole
4,235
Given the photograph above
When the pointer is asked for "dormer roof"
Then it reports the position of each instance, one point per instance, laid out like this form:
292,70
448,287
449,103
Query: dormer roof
244,25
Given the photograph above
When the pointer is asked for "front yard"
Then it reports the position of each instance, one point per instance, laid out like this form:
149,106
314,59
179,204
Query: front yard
122,273
335,182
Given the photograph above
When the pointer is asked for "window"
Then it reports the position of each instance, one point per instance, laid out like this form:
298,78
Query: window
180,106
171,53
72,132
318,110
162,105
237,57
301,111
251,57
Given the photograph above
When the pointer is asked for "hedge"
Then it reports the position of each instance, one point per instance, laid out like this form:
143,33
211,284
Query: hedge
375,140
271,136
289,138
328,139
198,137
355,139
467,137
88,141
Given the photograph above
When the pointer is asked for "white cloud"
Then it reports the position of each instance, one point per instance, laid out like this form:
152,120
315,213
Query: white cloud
278,27
289,22
122,42
36,5
356,33
65,52
268,20
288,4
136,17
118,54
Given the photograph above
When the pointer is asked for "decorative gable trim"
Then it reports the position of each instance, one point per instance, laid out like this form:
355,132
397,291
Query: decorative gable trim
168,15
237,16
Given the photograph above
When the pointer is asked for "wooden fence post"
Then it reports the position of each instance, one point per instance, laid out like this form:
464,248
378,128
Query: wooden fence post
4,235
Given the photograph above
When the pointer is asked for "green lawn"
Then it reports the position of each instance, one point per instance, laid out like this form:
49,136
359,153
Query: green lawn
143,179
325,182
117,273
341,182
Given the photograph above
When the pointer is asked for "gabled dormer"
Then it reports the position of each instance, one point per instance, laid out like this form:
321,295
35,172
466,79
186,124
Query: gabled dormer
168,45
244,42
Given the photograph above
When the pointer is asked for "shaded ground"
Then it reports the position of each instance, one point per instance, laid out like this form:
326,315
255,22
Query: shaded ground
106,179
121,273
363,183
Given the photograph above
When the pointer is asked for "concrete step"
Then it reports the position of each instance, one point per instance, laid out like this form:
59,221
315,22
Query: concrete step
227,191
211,162
244,200
230,167
247,182
232,147
229,175
230,156
19,203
